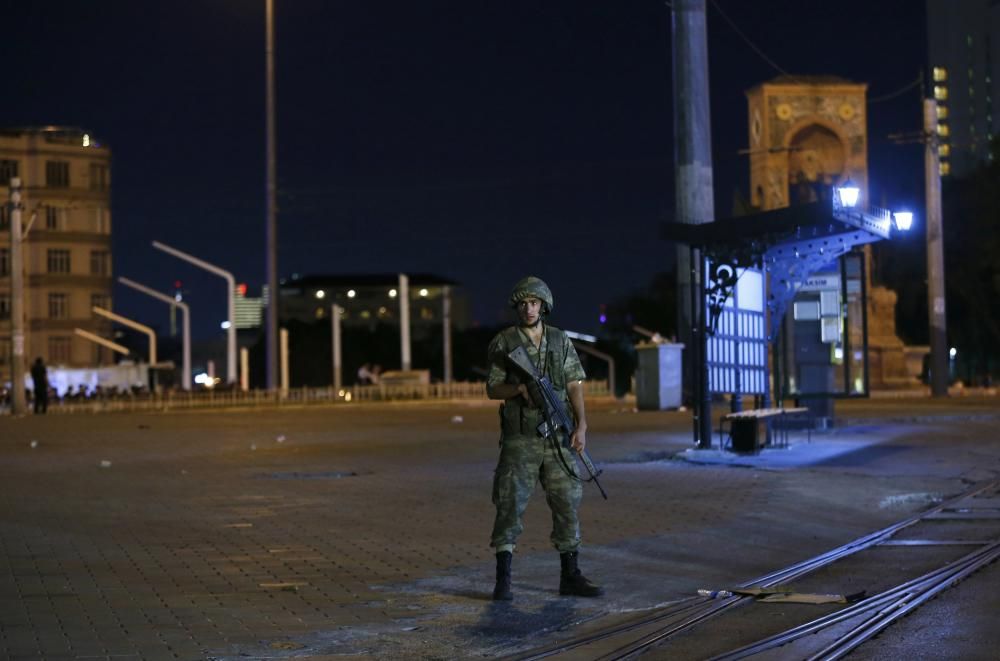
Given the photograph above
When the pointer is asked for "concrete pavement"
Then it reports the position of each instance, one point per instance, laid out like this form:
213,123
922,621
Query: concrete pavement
363,530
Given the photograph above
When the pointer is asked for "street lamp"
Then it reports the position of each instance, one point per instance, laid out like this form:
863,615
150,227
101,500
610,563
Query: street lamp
186,325
230,302
848,194
903,220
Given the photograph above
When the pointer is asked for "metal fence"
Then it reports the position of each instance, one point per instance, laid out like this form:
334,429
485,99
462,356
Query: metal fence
220,399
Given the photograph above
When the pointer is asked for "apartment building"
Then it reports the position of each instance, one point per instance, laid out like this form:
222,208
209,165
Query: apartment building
66,187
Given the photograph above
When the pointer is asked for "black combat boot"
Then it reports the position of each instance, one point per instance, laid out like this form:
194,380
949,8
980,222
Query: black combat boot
572,582
502,590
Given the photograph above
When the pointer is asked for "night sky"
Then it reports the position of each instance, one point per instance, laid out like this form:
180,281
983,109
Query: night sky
478,140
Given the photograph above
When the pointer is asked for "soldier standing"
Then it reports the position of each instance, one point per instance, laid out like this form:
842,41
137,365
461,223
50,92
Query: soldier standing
525,456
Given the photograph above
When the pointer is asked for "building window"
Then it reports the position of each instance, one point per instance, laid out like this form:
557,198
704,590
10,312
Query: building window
942,130
945,169
4,217
942,112
940,92
944,151
52,218
102,220
100,262
4,307
60,349
100,301
57,174
99,177
4,261
8,170
58,261
58,306
940,74
4,350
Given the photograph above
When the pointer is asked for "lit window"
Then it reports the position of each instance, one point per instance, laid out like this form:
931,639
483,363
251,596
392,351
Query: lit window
940,74
945,169
940,92
942,112
942,130
944,151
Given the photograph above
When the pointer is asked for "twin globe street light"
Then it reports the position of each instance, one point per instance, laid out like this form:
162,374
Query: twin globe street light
847,196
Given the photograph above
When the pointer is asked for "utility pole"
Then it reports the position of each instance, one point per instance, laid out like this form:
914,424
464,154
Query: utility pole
935,255
446,319
19,404
693,190
338,363
404,321
271,253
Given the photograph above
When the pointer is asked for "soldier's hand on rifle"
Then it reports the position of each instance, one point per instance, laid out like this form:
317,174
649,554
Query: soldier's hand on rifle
526,394
579,438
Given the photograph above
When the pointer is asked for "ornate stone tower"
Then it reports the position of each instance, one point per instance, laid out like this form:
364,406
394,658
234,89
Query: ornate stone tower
807,135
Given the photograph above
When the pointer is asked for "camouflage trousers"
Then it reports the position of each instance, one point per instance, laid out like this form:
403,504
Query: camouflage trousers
523,462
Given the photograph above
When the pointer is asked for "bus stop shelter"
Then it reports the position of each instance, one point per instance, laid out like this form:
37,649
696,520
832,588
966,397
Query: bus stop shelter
749,272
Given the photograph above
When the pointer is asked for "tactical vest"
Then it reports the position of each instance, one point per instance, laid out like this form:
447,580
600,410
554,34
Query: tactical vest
516,419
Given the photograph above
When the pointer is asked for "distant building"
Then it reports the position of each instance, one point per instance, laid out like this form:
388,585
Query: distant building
368,300
66,186
963,52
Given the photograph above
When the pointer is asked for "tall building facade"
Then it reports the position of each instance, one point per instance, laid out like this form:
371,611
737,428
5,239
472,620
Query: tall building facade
963,45
66,186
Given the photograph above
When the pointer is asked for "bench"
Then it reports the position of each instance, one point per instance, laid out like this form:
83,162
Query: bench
744,427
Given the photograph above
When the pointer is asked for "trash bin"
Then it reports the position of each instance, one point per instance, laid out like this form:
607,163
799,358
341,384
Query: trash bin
658,376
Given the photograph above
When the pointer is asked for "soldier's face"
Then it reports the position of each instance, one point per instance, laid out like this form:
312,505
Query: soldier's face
529,311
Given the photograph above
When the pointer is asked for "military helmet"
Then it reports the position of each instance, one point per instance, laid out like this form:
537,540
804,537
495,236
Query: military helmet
532,287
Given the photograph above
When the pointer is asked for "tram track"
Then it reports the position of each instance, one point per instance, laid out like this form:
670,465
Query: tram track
654,630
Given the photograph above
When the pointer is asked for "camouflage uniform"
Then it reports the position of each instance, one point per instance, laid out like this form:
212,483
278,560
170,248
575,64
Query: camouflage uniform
526,457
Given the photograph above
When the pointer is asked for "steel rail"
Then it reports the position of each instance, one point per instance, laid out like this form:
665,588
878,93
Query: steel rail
791,572
674,610
907,589
844,645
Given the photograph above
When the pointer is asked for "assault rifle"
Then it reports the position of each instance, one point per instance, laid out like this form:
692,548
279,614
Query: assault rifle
557,421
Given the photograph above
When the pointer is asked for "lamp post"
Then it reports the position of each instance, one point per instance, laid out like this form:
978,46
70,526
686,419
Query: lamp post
230,302
125,321
186,324
271,250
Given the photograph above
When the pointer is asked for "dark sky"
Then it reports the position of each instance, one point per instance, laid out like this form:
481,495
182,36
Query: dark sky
478,140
